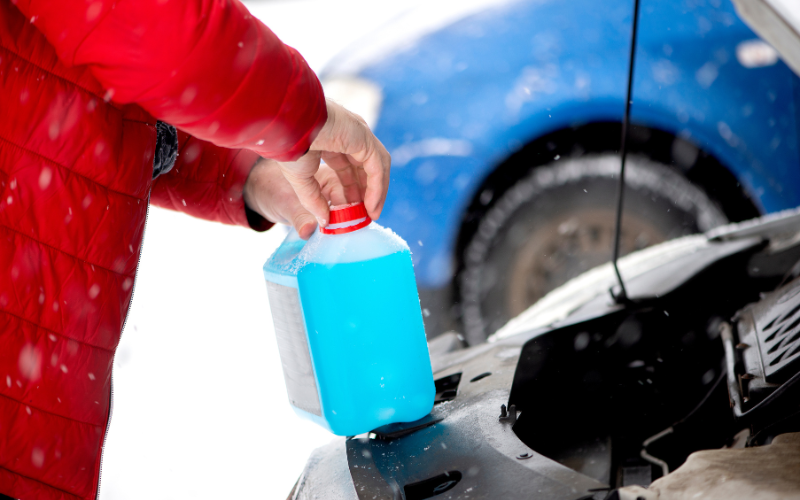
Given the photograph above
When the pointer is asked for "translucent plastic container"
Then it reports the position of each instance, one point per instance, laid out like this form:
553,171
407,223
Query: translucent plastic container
349,326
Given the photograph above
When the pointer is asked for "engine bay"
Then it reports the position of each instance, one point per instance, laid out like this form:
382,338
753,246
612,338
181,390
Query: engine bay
627,397
685,388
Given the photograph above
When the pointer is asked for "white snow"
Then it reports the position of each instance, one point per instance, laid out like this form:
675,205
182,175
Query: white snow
200,407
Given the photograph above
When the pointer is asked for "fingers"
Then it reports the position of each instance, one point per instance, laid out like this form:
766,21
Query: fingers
304,223
346,177
346,139
300,175
359,160
269,193
332,188
376,166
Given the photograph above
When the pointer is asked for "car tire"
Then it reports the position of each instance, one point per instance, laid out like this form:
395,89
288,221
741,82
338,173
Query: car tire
559,221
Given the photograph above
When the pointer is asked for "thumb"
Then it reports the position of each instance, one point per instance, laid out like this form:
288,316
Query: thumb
300,175
304,223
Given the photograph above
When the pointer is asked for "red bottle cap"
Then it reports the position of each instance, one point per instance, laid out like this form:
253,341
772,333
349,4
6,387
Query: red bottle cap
347,218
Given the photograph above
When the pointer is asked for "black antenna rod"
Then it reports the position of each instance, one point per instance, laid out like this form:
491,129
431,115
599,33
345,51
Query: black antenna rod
623,295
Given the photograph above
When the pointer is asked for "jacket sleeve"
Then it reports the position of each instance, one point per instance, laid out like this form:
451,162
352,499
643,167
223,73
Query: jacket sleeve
207,181
208,67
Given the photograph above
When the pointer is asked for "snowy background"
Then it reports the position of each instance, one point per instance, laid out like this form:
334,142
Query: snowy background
200,409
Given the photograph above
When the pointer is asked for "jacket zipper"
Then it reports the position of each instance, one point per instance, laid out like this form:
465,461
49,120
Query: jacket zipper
124,323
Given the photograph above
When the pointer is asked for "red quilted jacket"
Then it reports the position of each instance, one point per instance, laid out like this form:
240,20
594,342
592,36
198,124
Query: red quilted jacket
82,83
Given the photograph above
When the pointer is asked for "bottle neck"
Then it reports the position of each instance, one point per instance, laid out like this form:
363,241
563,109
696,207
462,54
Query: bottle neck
346,227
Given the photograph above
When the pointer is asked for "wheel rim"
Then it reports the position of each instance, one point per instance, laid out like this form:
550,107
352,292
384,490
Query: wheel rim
567,246
486,304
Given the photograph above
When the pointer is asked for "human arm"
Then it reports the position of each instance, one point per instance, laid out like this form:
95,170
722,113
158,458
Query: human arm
207,182
360,162
205,66
214,71
268,193
238,187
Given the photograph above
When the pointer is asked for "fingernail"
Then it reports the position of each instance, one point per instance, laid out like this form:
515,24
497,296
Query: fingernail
306,231
322,222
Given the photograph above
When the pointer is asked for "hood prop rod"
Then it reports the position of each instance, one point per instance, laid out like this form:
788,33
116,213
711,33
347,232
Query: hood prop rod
622,296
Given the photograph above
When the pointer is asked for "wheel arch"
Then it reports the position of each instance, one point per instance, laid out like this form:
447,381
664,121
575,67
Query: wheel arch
697,165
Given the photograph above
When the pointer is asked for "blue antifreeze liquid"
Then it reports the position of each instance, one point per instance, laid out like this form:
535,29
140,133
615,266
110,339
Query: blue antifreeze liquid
349,327
367,341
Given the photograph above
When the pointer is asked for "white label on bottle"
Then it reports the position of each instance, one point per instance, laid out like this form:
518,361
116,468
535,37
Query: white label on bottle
290,332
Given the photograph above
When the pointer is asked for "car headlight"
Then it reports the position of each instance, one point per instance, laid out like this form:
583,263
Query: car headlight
360,96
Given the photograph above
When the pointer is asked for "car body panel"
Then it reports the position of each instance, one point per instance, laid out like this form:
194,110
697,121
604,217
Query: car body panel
460,100
745,117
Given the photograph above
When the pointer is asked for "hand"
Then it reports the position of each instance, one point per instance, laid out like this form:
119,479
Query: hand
358,159
268,193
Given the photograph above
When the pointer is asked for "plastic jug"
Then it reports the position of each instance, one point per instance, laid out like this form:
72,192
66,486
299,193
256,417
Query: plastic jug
349,326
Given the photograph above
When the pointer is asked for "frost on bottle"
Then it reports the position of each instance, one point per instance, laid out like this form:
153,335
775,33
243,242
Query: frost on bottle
349,326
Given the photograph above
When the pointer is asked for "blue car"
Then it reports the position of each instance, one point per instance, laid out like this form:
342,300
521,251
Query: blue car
504,122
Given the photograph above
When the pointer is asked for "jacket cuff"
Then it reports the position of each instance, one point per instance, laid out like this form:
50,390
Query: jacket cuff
256,221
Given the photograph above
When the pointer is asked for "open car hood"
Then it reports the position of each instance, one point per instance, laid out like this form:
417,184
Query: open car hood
778,22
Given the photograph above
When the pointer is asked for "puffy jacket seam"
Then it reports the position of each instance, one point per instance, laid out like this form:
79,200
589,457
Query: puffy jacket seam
38,481
59,77
23,403
91,31
37,325
96,230
63,252
107,188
